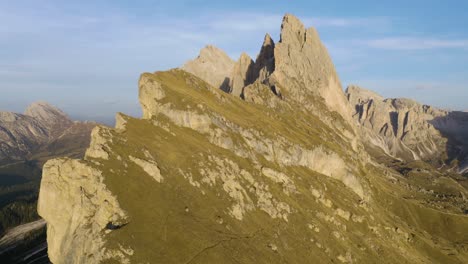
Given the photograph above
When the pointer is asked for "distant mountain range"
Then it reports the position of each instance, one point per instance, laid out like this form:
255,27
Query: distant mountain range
42,131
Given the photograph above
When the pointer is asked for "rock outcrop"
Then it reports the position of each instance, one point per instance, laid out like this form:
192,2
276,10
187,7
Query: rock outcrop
77,207
242,75
279,177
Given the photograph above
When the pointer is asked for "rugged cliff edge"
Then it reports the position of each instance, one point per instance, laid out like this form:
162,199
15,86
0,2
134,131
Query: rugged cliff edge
268,169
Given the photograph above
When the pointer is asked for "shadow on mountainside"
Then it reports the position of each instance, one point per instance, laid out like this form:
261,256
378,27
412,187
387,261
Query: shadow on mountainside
454,127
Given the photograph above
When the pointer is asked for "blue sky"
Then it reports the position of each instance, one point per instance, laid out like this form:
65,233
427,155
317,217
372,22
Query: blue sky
86,56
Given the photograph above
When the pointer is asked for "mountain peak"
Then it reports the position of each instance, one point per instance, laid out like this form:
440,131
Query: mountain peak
268,41
292,29
265,62
213,65
298,69
304,70
45,112
210,50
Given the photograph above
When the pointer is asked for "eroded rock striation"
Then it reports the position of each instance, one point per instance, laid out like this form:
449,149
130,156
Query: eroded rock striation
409,130
281,176
47,114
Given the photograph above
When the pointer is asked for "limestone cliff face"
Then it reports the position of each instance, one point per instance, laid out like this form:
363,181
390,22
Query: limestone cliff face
407,129
78,209
205,177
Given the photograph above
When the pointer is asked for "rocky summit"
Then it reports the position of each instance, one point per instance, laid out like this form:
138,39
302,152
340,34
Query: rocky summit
264,161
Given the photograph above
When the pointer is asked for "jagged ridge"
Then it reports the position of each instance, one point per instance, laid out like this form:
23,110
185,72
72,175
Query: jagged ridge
281,176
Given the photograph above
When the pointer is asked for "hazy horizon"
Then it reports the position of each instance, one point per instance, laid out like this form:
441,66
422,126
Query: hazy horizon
86,57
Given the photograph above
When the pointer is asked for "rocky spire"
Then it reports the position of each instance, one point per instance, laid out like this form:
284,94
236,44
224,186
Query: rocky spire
298,68
265,62
242,74
292,30
304,69
213,66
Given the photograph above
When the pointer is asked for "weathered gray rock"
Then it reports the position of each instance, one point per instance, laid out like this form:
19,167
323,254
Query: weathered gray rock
304,69
261,94
242,74
212,65
79,210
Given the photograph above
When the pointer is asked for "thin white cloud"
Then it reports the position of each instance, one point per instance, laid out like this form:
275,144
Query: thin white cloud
413,43
245,22
323,22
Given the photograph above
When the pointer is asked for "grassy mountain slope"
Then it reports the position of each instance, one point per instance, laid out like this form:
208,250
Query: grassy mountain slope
208,178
